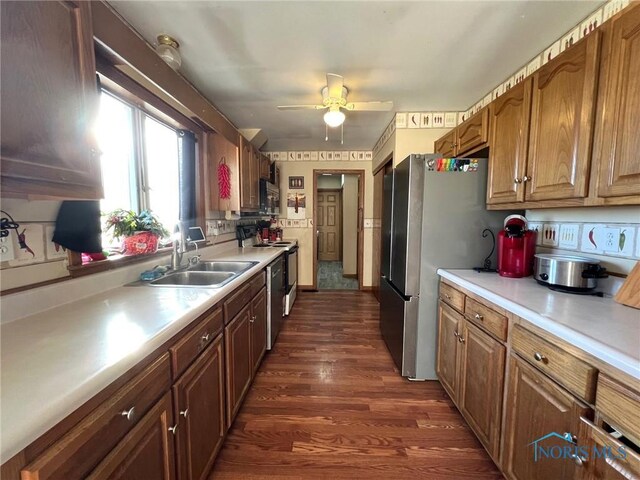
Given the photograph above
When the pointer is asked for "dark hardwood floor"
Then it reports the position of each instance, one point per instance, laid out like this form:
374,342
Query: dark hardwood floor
328,403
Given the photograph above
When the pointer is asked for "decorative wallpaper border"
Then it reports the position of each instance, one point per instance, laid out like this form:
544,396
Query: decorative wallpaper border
321,156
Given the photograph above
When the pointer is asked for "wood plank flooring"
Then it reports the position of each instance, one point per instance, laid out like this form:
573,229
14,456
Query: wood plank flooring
328,403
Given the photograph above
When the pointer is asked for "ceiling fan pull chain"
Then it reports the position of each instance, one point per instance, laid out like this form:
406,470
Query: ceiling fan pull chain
342,134
326,132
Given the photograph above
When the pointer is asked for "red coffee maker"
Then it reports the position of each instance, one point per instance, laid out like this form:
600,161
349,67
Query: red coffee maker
516,248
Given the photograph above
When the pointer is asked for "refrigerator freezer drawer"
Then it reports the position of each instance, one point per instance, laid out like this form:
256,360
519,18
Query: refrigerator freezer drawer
398,322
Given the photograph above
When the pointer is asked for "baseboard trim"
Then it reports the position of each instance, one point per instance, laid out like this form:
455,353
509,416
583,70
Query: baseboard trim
350,275
306,288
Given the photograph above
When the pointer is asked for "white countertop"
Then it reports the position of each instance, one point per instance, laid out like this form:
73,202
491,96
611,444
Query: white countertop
56,360
601,327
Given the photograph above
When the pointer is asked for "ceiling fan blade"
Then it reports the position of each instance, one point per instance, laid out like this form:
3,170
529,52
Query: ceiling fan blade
301,107
334,84
369,106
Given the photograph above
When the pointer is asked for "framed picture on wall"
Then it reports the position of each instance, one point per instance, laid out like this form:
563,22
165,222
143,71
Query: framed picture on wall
296,183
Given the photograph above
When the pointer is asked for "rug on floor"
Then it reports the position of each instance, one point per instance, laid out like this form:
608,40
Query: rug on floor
330,277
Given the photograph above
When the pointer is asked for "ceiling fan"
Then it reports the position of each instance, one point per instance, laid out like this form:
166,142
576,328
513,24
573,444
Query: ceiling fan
334,98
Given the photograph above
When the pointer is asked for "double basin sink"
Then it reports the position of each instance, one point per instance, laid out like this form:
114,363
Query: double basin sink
207,274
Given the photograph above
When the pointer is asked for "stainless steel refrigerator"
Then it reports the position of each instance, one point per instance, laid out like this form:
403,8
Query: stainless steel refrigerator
433,217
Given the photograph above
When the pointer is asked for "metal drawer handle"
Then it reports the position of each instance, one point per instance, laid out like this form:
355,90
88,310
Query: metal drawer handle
538,357
173,429
517,180
477,316
456,334
526,178
185,412
460,339
447,296
129,413
252,319
205,337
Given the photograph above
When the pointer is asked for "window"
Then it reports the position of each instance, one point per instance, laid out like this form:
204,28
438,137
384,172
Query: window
140,161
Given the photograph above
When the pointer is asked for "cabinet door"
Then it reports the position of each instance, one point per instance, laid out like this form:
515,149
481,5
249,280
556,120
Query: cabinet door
246,159
449,323
446,146
537,407
481,385
49,99
509,117
237,338
620,119
199,408
265,168
562,114
473,133
255,179
258,328
146,452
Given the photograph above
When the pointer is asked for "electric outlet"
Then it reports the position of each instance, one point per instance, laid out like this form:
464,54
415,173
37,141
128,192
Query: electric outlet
210,228
611,239
550,235
536,227
6,249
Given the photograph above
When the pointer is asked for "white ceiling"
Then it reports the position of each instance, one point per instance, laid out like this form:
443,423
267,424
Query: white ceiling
248,57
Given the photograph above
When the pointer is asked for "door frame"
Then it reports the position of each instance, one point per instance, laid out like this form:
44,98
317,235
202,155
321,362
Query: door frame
360,173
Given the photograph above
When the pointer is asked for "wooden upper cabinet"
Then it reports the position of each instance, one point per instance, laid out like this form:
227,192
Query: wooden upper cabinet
446,145
265,167
220,150
562,114
536,407
473,133
482,384
509,117
449,326
49,101
199,408
246,160
146,452
618,142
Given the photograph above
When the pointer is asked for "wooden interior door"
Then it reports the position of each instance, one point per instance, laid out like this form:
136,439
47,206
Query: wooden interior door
509,120
620,119
329,225
199,408
481,385
562,113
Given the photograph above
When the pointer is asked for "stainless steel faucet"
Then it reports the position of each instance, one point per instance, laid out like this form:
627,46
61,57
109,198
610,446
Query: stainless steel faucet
179,246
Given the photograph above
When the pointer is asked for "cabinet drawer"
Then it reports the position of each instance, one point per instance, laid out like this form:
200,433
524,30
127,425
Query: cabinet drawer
189,347
574,374
453,297
237,302
486,318
80,450
620,406
257,283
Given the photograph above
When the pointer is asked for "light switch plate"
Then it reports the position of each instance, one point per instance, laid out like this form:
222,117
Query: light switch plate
569,236
536,227
550,234
6,248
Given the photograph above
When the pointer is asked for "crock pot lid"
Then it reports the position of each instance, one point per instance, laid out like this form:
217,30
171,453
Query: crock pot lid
567,258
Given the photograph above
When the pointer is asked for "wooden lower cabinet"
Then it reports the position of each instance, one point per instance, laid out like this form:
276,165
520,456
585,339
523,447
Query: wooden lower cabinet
199,408
481,385
238,360
536,406
146,452
447,362
258,329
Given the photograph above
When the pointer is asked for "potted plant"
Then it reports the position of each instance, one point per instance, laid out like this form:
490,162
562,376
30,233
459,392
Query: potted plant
141,231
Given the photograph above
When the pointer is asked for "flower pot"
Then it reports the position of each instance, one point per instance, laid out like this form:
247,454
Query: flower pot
140,243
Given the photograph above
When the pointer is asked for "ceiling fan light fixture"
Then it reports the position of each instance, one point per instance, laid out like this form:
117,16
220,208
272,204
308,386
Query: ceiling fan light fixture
167,49
334,117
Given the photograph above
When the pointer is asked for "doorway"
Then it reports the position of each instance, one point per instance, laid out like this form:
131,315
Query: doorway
338,217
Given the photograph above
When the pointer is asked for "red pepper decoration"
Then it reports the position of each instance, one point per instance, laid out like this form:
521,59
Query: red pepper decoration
224,179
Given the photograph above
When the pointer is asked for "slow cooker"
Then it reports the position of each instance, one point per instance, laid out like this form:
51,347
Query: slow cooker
569,272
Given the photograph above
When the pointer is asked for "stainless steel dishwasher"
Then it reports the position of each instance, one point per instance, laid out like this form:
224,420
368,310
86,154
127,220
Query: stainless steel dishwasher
275,300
